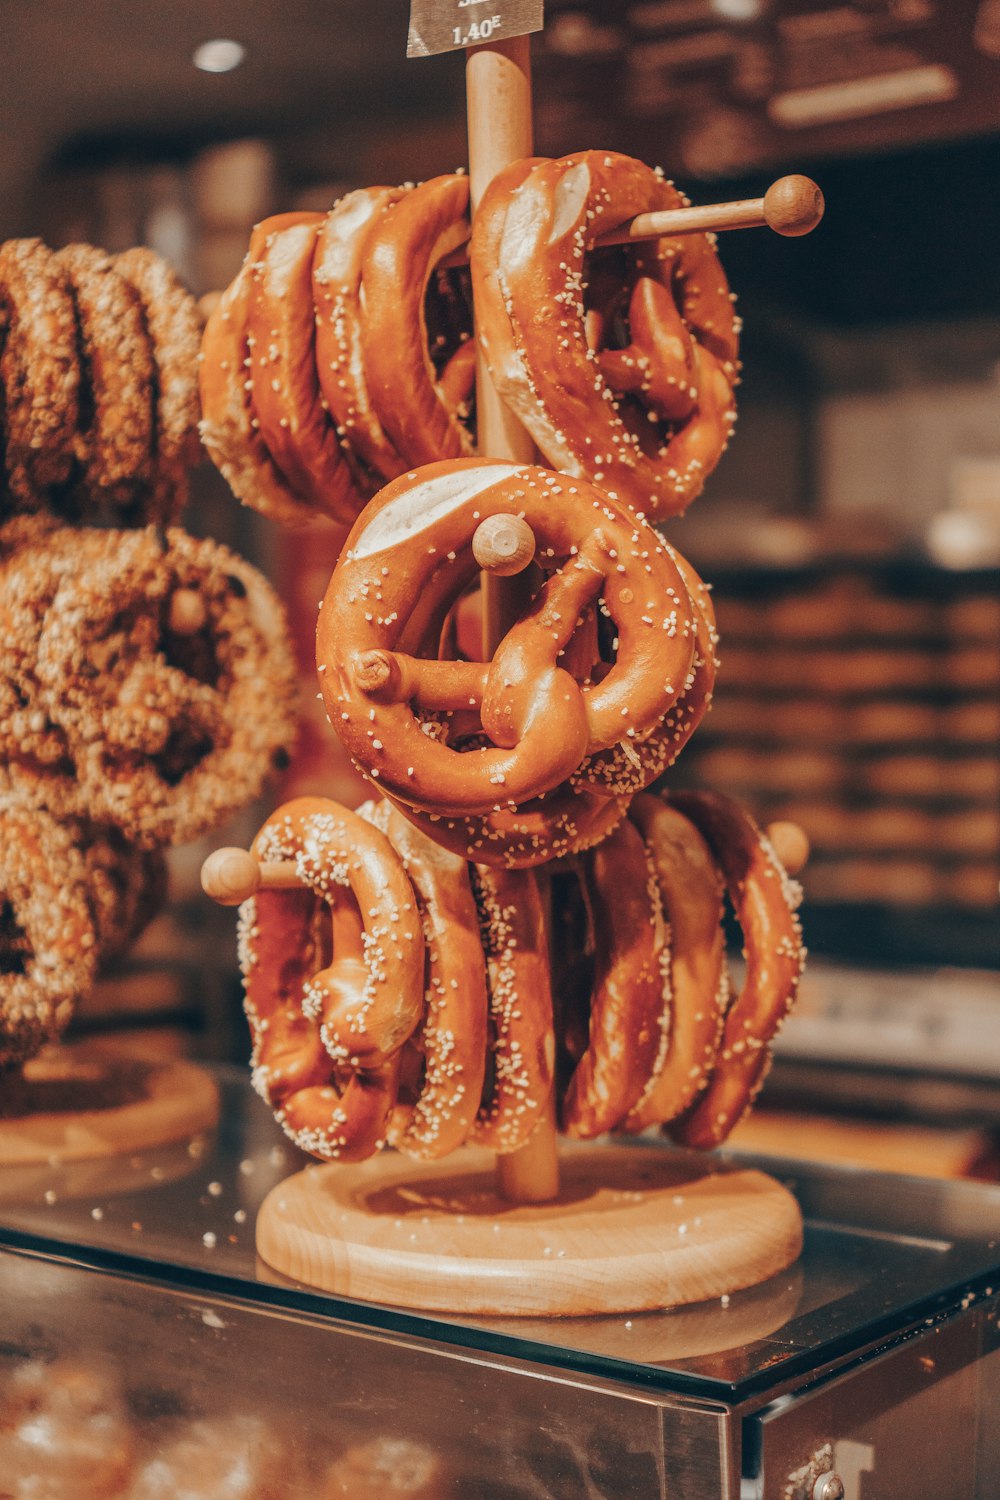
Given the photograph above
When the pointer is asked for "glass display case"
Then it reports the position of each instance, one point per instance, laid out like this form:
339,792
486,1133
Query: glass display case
870,1367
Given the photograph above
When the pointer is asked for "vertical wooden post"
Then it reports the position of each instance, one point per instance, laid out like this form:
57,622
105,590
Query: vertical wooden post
498,101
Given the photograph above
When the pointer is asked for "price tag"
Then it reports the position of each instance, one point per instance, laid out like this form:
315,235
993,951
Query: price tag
447,25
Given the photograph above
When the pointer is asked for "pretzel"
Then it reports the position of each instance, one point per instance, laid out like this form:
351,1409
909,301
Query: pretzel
126,886
228,424
631,765
414,539
341,242
115,445
131,716
522,1040
403,247
630,1008
764,901
39,369
550,827
48,945
329,1012
647,422
294,423
446,1057
690,890
174,326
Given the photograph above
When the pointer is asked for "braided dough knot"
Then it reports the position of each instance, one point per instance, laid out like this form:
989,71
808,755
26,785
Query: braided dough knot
407,561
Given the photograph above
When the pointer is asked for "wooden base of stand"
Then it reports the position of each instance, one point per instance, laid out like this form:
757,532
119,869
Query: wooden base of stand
632,1229
94,1099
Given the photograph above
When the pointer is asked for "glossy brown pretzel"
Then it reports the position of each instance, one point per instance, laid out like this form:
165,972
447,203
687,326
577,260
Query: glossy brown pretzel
645,413
411,547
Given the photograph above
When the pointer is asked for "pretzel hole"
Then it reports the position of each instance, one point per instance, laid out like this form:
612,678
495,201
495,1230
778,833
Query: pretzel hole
192,653
183,752
16,950
448,319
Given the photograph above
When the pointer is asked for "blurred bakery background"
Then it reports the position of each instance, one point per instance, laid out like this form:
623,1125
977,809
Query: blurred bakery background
852,531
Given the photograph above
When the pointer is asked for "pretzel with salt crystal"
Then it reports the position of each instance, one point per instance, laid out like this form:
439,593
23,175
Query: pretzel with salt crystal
444,1061
522,1041
229,425
540,724
48,942
559,823
334,978
420,408
630,1007
690,890
294,422
764,900
647,420
341,242
39,370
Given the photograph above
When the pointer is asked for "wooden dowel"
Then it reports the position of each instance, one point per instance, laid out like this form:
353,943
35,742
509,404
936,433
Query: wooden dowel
233,875
498,95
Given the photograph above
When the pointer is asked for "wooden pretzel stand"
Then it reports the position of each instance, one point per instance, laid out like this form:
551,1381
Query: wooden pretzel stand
78,1101
583,1229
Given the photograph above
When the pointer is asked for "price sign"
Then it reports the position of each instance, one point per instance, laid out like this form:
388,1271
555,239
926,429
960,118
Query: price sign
447,25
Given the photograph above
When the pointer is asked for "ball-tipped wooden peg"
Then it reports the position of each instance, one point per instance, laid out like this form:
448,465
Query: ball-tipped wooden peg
790,843
186,613
503,545
230,876
793,205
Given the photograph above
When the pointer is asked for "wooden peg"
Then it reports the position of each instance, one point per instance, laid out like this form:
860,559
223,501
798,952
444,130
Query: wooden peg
791,844
791,206
233,875
186,613
503,545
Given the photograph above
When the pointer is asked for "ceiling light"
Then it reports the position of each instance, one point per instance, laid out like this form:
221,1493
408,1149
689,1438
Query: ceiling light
737,10
221,55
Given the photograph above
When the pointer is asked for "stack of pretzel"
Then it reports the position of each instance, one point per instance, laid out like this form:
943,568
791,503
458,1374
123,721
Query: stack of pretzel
342,354
146,682
403,980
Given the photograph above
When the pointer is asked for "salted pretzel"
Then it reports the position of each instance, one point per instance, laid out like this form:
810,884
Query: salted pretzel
633,764
557,824
228,423
690,891
764,900
341,242
151,675
630,1005
114,447
39,369
415,405
48,943
334,978
174,326
415,539
444,1062
521,1040
631,392
126,886
294,423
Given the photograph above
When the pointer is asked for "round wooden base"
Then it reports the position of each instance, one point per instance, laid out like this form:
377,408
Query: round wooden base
632,1229
92,1099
